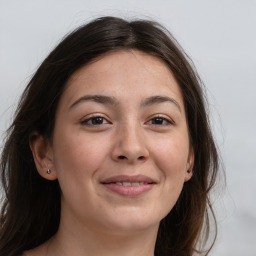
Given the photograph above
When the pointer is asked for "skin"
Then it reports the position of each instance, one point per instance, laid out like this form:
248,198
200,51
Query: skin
132,136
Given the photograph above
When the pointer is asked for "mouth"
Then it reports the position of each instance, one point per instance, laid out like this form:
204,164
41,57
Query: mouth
130,186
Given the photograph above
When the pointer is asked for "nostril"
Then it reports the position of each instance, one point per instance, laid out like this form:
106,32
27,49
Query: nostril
121,157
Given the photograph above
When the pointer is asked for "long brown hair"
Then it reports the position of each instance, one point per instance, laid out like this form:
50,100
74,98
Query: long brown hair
31,208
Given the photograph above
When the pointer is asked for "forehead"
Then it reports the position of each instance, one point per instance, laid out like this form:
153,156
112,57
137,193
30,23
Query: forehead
123,73
126,61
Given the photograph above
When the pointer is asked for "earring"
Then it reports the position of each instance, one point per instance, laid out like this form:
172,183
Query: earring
48,171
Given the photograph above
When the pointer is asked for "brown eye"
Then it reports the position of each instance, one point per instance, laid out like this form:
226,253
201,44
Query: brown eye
157,121
160,121
97,120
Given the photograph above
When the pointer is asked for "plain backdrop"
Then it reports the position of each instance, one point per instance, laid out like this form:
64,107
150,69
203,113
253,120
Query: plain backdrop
220,37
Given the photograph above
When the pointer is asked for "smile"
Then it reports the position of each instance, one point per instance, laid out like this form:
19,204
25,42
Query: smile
131,186
127,184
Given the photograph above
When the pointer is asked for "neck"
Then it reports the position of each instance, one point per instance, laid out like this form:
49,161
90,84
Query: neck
82,240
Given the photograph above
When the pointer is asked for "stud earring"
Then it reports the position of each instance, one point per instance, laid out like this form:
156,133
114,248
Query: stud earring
48,171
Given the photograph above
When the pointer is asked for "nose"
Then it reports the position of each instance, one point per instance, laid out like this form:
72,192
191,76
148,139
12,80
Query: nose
130,146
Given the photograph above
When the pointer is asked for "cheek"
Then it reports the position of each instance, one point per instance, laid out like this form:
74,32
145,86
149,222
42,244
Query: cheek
78,155
171,158
171,155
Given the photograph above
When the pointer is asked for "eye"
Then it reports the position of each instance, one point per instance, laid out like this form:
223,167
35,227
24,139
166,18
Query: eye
160,121
95,121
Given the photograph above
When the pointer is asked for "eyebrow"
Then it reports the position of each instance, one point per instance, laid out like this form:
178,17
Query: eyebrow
160,99
113,101
96,98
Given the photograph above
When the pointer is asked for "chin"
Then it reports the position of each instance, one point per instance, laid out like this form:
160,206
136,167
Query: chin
131,227
133,221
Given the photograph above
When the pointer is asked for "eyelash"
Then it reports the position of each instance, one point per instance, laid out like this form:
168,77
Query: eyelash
163,119
94,118
89,121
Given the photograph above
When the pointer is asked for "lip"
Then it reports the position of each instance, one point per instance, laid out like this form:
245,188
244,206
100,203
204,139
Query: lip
127,178
143,184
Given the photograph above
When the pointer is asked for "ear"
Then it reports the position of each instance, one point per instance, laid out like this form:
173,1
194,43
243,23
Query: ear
190,165
43,156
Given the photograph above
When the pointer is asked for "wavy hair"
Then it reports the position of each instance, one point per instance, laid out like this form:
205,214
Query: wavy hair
30,213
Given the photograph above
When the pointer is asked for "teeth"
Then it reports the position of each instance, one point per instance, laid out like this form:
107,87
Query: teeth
129,184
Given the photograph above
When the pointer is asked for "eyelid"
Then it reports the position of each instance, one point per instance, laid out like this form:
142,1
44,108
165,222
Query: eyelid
169,120
91,116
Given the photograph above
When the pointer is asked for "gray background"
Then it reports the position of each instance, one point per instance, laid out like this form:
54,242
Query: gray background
221,39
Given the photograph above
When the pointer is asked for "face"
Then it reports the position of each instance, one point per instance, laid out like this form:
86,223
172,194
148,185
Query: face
120,146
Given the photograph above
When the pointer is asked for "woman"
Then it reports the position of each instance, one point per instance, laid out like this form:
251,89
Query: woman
110,151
